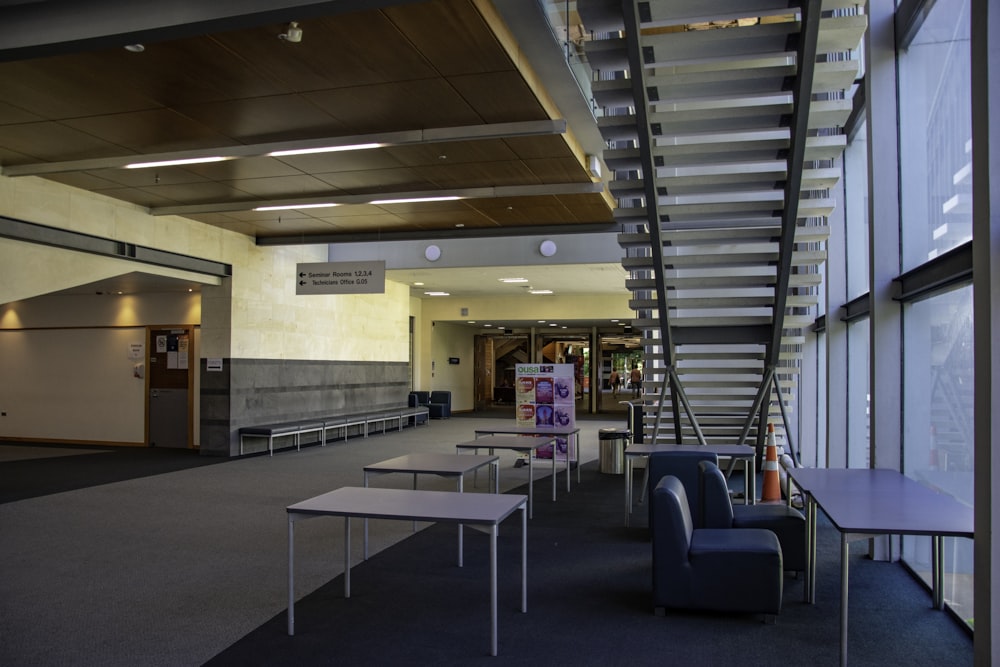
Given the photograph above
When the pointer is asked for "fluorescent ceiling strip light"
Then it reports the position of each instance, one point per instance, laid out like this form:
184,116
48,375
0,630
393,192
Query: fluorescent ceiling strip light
438,294
286,207
324,149
410,200
513,280
174,163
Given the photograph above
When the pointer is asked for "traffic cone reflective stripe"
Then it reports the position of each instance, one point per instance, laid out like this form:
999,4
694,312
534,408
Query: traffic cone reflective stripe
772,481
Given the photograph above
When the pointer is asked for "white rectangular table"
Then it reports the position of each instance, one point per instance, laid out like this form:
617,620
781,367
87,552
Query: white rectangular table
862,502
735,453
517,443
445,506
432,463
571,435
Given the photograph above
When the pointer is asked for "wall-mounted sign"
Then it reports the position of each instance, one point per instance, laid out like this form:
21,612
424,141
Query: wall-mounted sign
213,365
452,360
340,278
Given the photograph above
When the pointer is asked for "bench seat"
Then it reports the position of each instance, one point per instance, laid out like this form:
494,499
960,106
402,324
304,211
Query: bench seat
399,416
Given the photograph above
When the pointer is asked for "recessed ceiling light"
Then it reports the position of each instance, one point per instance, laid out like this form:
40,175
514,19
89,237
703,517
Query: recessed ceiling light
541,321
540,291
418,284
286,207
324,149
437,293
513,280
135,48
410,200
174,163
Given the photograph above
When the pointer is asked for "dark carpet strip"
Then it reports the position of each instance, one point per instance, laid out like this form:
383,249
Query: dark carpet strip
95,465
589,604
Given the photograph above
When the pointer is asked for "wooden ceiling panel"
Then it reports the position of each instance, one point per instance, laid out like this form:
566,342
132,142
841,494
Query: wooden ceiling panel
265,119
413,66
152,131
181,72
342,161
12,115
558,170
455,152
282,186
452,36
68,87
139,196
401,105
140,178
528,148
335,52
499,97
480,175
53,141
381,180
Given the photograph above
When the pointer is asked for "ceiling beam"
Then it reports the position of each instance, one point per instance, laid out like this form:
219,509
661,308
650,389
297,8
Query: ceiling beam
439,234
545,190
402,138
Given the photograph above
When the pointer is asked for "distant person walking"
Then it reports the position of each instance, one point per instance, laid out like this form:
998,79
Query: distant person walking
615,381
636,379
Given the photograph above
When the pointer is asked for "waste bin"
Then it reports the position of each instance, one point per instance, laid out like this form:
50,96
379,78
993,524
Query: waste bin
611,444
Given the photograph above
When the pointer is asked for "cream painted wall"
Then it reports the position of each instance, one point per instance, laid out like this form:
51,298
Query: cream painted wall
65,372
260,315
452,340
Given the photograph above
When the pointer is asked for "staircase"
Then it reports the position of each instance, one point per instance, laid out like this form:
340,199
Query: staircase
722,121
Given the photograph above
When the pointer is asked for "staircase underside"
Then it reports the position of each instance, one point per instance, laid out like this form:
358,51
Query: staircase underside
723,121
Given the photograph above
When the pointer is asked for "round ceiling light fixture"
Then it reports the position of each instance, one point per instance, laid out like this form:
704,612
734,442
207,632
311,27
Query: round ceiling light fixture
432,253
547,248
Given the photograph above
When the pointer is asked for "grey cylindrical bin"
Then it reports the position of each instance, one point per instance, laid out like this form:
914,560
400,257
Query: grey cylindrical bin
611,443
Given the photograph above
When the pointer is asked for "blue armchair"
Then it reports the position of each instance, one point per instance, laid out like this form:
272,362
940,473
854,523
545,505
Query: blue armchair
419,399
718,511
684,466
440,404
735,570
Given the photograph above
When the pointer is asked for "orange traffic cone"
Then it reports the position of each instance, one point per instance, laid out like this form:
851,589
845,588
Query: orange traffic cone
772,481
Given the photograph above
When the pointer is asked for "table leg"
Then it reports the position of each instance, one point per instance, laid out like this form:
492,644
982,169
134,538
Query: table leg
493,589
937,571
569,466
810,582
414,526
364,539
460,527
844,563
524,561
291,577
347,556
576,450
628,490
555,474
645,483
531,483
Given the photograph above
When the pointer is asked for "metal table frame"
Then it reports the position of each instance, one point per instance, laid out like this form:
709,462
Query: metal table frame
443,506
517,443
571,435
430,463
864,502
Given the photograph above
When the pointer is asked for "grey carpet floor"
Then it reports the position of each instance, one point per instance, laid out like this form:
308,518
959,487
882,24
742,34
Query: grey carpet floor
172,568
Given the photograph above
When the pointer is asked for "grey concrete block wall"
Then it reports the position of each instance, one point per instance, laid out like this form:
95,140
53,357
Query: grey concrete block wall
260,391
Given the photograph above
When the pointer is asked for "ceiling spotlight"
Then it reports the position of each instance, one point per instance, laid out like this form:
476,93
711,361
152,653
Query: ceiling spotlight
293,34
135,48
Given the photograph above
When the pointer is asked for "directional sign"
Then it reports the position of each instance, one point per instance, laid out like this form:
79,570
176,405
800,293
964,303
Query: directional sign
340,278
